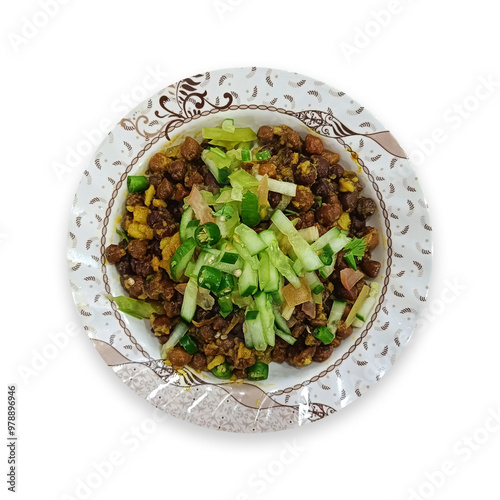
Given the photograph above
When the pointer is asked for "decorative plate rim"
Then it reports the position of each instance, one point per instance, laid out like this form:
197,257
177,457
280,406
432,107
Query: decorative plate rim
325,123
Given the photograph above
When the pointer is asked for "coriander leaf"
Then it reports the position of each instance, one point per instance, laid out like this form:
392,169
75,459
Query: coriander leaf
356,247
123,235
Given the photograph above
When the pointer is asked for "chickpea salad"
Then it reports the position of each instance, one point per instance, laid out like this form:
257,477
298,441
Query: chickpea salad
243,249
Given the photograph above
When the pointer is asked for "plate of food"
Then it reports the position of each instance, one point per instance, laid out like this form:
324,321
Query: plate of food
249,250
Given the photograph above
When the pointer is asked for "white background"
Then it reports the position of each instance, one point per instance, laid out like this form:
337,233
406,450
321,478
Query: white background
413,73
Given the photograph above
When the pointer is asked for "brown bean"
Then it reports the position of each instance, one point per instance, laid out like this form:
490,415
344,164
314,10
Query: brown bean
158,163
211,182
178,357
165,190
305,173
180,192
314,145
123,267
304,199
323,352
298,356
343,331
342,293
135,199
307,220
331,157
279,353
137,248
274,199
193,177
265,134
371,267
190,149
155,180
338,171
291,138
322,166
269,169
371,236
225,345
365,207
323,187
327,214
141,267
135,286
357,224
349,201
206,333
199,362
114,253
177,170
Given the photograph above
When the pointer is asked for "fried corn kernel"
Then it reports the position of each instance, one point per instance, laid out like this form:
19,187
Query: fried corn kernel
169,245
155,263
346,185
277,130
295,158
304,167
141,214
140,231
218,360
159,203
149,195
344,221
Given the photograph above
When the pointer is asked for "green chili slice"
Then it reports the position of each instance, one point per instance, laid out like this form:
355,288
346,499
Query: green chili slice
207,235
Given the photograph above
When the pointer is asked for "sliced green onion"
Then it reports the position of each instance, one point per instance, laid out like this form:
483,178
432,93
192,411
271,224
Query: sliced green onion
207,235
188,344
326,255
223,371
263,155
210,278
324,335
258,371
137,183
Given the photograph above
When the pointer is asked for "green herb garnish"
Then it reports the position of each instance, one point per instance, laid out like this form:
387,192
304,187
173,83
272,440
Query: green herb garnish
356,248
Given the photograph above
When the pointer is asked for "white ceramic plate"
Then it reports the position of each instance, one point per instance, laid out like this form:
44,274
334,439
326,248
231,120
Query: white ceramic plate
252,96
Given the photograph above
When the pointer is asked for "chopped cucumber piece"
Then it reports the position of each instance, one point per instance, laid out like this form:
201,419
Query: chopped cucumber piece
189,302
309,259
181,257
179,332
266,316
335,316
248,282
250,239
